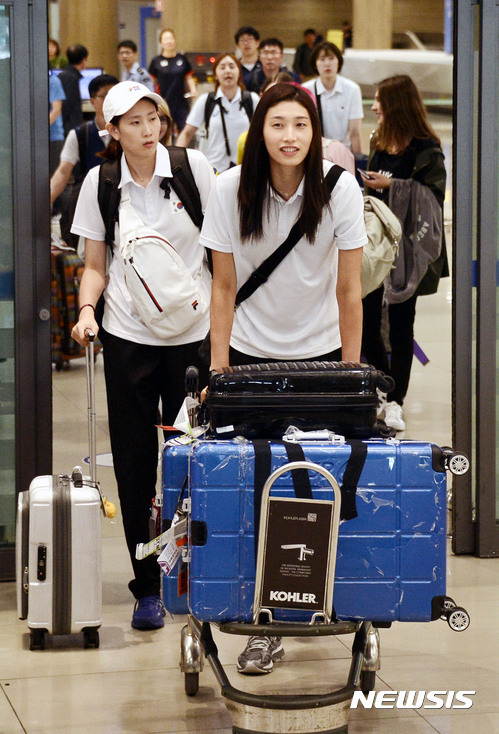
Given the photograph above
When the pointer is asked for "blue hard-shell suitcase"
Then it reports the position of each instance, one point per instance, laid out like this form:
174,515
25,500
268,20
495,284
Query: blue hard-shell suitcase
391,558
175,469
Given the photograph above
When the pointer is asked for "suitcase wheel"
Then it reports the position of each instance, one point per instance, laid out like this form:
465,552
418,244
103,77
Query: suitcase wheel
458,619
455,461
91,637
37,639
191,683
447,604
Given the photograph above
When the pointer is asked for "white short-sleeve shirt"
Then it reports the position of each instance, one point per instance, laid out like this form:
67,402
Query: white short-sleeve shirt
167,216
342,104
236,122
294,315
71,152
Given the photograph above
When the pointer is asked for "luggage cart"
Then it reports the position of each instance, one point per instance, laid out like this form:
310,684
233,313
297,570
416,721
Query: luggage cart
301,713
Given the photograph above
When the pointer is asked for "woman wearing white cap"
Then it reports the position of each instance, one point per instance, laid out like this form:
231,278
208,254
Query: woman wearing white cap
141,368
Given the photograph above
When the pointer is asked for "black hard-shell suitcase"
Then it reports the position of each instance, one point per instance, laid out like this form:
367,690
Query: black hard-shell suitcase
263,400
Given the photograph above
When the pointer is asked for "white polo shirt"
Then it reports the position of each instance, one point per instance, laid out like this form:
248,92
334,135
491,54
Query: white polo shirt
167,216
294,315
236,122
342,104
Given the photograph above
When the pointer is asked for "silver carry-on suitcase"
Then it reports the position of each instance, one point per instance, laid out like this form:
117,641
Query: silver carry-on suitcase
59,548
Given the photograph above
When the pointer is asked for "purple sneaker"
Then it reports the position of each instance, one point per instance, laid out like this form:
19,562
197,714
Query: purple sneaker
148,613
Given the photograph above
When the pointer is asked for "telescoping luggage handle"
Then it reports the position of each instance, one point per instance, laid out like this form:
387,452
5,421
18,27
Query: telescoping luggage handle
261,580
92,441
108,508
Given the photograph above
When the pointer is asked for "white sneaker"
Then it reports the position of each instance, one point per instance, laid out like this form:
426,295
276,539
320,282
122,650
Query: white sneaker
393,416
381,401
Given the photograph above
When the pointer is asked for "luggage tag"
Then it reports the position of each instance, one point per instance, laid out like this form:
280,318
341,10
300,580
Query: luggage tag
173,549
183,421
178,530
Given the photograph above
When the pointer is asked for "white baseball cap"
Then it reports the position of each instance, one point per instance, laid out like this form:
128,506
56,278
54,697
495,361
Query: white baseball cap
123,96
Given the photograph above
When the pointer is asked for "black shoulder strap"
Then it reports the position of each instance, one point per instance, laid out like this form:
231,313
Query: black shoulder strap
247,103
208,109
82,135
319,106
264,270
109,196
184,185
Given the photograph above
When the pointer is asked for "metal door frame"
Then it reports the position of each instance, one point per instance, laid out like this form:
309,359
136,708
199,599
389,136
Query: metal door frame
475,256
31,204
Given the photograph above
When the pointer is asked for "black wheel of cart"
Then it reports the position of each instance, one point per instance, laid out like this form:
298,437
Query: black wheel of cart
458,619
367,681
191,683
91,637
37,640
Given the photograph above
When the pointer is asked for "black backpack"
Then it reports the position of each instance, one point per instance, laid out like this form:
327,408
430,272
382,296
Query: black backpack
182,183
246,103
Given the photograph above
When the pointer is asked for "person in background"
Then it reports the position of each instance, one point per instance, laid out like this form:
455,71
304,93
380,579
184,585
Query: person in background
79,154
56,61
132,71
311,307
247,39
141,370
405,156
229,116
72,115
301,64
173,73
271,56
56,130
339,100
166,124
347,34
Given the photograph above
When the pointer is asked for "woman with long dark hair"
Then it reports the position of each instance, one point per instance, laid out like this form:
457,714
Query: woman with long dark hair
405,160
223,115
310,307
141,368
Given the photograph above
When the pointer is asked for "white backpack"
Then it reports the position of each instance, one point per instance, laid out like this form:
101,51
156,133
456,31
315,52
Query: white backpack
167,297
384,232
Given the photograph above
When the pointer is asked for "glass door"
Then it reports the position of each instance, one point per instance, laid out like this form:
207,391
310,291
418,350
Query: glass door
25,362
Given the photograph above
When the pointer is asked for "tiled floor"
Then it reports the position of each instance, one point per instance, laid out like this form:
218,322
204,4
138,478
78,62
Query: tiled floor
132,683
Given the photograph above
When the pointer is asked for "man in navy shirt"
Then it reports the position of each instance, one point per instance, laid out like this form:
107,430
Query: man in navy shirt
271,55
70,76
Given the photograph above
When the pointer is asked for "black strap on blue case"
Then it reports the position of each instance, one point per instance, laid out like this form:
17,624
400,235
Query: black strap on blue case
301,479
351,477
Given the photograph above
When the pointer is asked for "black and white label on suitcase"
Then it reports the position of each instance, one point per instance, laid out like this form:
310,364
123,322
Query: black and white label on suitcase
297,554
